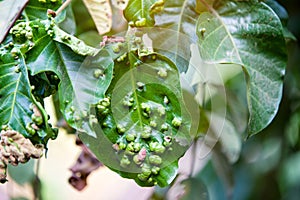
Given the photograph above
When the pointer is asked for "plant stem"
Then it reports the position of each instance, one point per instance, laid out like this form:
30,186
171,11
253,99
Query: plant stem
62,7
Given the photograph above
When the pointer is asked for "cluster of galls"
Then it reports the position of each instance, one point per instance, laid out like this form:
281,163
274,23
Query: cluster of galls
22,32
143,148
103,106
37,124
15,149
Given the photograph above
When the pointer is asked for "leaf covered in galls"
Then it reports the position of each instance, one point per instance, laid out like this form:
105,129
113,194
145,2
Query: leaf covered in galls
143,126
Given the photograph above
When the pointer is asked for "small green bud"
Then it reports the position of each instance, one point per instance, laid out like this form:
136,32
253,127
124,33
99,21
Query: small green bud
164,127
146,133
122,145
17,69
121,129
136,160
29,35
116,48
141,22
14,52
130,147
98,73
176,122
166,100
131,23
105,102
38,120
130,137
155,170
159,149
202,31
29,129
5,127
153,123
161,110
124,161
101,108
122,57
137,146
155,159
140,85
146,170
145,107
156,147
162,72
72,108
142,177
50,33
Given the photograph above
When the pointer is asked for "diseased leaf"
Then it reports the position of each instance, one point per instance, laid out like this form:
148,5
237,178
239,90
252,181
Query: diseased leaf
83,79
247,33
101,13
144,127
9,12
176,30
140,13
19,109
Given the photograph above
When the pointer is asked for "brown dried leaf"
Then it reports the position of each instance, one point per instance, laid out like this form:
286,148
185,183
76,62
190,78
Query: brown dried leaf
15,149
101,13
85,164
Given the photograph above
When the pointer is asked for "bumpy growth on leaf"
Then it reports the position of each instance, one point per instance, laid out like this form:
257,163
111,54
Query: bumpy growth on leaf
18,105
143,124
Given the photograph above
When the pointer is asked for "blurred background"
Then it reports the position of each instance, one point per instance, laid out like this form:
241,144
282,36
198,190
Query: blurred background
268,166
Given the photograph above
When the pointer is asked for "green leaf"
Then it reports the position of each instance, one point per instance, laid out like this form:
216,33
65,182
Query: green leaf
68,24
283,16
140,13
78,87
143,112
17,102
247,33
37,9
176,31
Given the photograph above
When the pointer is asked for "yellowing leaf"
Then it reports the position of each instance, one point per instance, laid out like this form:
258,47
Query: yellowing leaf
101,13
